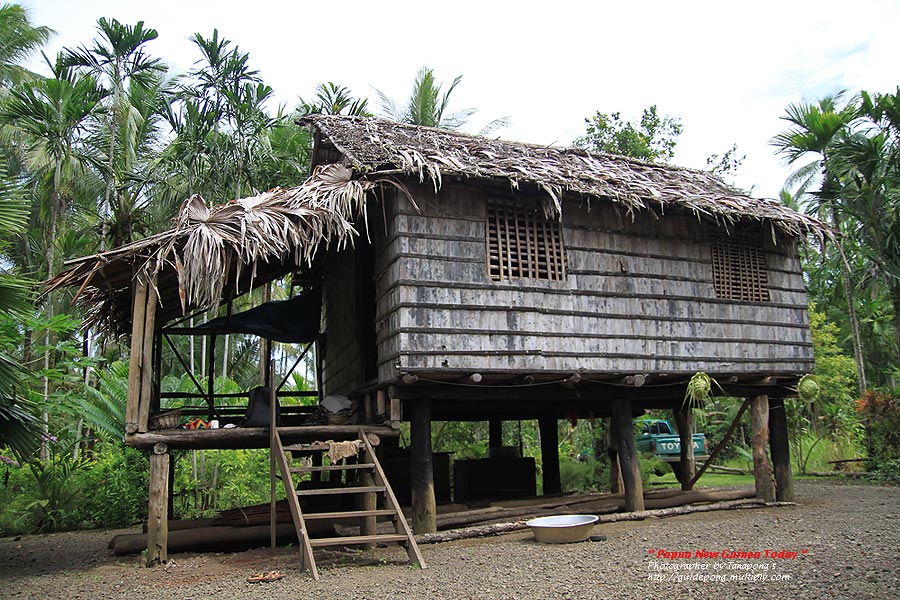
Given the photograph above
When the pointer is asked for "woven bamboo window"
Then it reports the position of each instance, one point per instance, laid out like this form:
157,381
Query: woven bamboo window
522,243
739,265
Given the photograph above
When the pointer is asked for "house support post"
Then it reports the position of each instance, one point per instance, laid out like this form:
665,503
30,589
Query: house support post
780,449
138,310
495,433
684,419
616,486
157,517
424,509
623,433
550,455
759,427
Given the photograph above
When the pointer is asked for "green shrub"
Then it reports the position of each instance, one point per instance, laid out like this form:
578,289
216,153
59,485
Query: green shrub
115,487
584,476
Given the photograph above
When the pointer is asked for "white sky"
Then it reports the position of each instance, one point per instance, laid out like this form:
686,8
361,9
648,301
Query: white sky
725,69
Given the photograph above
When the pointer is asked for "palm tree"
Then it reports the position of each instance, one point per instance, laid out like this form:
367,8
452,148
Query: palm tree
18,39
428,107
334,99
865,161
814,129
18,428
119,61
51,114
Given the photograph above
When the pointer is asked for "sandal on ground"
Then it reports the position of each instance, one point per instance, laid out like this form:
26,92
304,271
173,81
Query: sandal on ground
265,577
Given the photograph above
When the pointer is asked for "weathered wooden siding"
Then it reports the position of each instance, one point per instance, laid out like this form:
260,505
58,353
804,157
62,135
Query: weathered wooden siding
638,298
342,356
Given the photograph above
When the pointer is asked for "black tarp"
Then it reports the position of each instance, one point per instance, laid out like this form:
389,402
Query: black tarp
295,320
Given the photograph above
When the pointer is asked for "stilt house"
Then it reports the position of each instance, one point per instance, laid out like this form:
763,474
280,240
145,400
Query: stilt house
457,277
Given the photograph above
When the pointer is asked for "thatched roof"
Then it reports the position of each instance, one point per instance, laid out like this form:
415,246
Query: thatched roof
220,251
377,146
211,252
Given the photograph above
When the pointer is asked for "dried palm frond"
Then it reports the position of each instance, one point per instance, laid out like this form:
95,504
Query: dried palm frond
375,146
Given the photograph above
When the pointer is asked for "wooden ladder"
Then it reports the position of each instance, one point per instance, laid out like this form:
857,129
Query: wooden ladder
371,480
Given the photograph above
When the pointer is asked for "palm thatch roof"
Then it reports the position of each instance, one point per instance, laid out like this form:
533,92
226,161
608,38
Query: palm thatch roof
377,146
221,251
211,252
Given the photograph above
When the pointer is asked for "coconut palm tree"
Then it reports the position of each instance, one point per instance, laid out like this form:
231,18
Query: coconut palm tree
18,428
18,39
813,131
118,60
51,115
334,99
428,107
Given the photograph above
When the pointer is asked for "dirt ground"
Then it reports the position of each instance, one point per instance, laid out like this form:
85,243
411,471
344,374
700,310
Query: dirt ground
841,541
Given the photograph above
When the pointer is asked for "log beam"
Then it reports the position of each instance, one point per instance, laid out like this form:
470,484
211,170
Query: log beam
424,507
549,430
623,433
780,449
759,427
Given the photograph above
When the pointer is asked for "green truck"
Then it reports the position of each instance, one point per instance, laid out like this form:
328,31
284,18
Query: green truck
659,438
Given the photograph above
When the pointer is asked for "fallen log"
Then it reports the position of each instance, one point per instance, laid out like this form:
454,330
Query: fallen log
853,474
721,469
213,538
497,528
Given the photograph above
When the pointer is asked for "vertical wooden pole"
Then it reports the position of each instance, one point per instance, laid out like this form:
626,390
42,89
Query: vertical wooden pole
157,517
623,432
211,377
780,449
684,418
424,509
495,433
368,525
381,403
132,403
550,454
759,427
616,486
273,448
147,356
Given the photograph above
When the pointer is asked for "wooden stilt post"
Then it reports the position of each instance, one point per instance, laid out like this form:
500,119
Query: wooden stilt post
424,509
139,307
623,432
158,518
759,427
616,486
147,356
495,433
684,417
211,377
550,454
780,449
273,448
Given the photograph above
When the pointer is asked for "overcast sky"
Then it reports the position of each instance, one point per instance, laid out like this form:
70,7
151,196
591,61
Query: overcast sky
725,69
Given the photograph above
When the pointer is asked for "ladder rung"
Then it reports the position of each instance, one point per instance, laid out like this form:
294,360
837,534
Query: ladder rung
307,448
358,539
341,490
332,468
343,514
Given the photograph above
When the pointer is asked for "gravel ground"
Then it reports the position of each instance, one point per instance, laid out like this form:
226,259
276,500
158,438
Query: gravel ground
845,537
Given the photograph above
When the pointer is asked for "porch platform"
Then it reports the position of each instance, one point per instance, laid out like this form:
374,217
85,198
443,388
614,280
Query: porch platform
250,437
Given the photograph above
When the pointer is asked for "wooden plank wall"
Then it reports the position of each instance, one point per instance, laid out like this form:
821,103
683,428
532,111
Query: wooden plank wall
638,298
342,356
